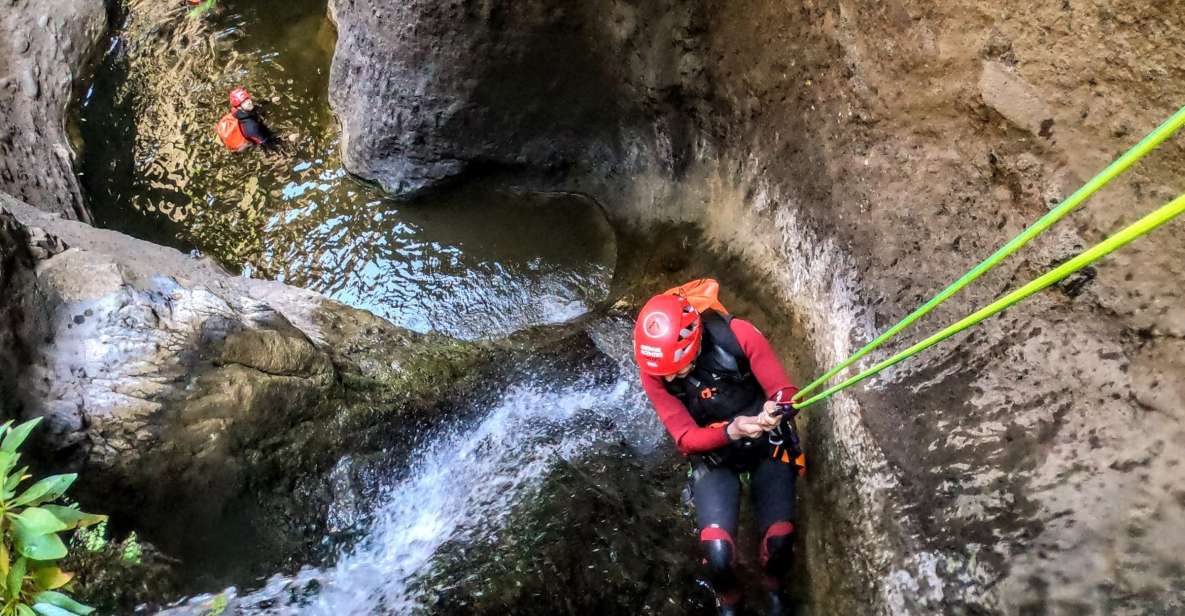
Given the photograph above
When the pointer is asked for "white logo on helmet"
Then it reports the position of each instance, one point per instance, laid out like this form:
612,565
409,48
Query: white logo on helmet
656,324
650,351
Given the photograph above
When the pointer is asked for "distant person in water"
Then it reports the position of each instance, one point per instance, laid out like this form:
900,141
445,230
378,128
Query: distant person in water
242,127
718,387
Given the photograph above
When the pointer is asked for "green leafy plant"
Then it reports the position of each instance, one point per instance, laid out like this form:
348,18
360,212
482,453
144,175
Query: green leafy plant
201,9
30,522
91,539
95,539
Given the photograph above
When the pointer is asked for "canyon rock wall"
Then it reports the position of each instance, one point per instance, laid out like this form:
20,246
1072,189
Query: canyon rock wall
861,156
46,44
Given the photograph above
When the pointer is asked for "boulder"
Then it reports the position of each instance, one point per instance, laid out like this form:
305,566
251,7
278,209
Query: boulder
182,393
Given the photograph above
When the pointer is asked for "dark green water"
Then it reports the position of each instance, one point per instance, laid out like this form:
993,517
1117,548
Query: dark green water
152,167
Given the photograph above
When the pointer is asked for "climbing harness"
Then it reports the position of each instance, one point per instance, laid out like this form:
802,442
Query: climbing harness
1143,226
786,431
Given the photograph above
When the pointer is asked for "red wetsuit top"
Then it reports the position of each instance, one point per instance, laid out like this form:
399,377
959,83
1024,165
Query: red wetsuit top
689,436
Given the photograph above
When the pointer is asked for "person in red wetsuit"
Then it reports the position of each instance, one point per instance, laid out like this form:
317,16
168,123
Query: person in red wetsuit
716,384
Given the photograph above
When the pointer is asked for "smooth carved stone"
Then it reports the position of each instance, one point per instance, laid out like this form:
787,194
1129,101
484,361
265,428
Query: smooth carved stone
146,363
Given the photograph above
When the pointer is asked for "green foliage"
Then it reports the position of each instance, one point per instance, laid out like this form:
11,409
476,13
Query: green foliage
117,575
201,9
92,539
30,544
95,539
132,551
218,605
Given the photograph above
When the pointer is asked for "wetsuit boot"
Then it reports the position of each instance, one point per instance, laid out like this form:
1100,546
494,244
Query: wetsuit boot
777,556
720,561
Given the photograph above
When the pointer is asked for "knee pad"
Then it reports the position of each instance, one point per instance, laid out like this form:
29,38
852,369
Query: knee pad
777,548
719,557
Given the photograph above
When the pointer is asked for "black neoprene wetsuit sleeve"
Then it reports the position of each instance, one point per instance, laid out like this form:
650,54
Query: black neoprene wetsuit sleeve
253,128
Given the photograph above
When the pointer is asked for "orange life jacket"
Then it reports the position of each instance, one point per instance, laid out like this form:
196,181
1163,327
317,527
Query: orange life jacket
231,135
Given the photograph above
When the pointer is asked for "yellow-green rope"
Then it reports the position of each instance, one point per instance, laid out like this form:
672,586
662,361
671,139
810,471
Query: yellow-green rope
1123,163
1146,224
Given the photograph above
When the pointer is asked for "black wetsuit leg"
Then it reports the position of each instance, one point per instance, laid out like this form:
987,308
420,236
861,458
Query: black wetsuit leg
773,491
716,491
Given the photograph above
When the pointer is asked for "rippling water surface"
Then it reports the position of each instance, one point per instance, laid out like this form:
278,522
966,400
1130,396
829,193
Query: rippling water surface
471,262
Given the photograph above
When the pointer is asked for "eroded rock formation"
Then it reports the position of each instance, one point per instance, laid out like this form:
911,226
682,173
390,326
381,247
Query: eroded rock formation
862,156
182,393
45,46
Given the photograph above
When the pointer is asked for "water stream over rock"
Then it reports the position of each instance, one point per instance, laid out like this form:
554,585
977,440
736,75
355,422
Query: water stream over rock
467,495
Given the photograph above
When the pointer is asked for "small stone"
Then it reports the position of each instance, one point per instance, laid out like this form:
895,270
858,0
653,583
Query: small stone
1015,99
43,21
20,44
29,85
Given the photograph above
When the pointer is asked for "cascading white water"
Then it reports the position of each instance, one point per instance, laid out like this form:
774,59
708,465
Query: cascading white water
460,487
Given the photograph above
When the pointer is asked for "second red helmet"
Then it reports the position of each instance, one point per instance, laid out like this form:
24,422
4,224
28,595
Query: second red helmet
238,96
667,335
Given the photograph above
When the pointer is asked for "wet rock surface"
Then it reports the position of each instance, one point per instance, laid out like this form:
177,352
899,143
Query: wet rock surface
862,156
46,44
185,394
533,87
612,520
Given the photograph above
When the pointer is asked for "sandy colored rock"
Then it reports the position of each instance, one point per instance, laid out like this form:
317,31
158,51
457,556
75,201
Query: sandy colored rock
1015,99
286,353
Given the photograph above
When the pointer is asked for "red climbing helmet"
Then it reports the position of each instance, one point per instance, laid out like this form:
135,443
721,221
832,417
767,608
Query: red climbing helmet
238,96
667,335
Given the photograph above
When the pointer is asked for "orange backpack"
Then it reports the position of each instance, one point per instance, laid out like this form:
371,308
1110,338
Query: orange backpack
229,132
703,294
